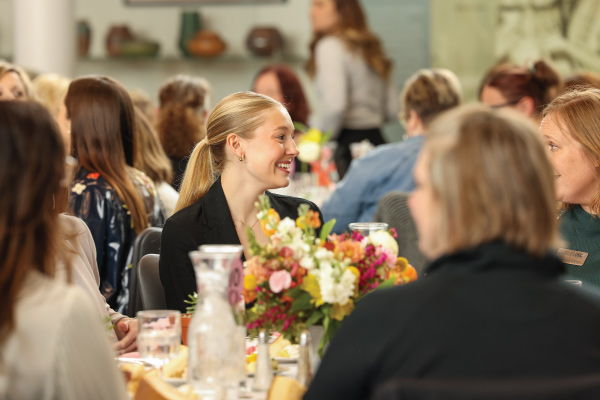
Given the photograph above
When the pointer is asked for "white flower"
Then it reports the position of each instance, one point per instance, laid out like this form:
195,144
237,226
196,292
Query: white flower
78,188
336,287
307,262
309,151
384,239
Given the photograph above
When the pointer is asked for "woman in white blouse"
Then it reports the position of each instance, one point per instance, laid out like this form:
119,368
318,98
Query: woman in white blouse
352,76
53,344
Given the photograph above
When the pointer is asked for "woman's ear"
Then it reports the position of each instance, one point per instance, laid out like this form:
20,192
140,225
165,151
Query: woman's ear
526,106
235,145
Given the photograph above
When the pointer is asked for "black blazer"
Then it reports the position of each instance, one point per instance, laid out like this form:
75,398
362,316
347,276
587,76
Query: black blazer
487,312
207,221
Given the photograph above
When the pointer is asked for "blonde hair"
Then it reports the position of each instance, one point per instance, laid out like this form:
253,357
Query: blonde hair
492,180
577,113
6,68
240,113
50,90
149,156
429,92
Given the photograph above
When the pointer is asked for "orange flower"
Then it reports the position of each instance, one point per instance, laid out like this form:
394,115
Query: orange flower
311,219
270,222
351,250
403,272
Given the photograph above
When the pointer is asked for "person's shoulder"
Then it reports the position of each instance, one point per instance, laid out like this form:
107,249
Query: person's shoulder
72,224
330,44
87,182
184,218
289,203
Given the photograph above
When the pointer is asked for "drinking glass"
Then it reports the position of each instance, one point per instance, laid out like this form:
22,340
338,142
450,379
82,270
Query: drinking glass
366,228
159,335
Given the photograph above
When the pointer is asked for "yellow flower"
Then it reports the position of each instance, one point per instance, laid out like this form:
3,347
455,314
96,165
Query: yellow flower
250,282
311,286
338,311
312,135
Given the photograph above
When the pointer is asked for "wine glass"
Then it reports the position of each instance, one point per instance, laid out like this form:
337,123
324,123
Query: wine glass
159,335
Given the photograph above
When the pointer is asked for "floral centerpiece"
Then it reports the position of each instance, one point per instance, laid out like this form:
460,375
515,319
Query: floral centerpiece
313,151
297,279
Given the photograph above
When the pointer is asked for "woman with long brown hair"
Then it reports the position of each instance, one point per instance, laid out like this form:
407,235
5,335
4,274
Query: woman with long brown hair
352,76
52,342
115,200
184,102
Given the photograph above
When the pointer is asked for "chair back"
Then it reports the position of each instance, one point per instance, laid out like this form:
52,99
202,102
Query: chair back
393,210
147,242
151,289
581,387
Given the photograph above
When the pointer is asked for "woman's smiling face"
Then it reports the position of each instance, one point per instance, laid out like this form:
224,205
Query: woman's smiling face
575,172
269,155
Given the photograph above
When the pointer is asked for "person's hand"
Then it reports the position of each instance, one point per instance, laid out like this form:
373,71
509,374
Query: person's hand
126,330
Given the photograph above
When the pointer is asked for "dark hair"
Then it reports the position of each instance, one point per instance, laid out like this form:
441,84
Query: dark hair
180,124
540,81
32,157
102,131
295,100
582,80
354,31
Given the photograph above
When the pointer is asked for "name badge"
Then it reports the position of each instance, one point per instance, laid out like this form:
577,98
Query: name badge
572,257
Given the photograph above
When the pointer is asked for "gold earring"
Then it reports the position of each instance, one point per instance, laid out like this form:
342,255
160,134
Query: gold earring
242,158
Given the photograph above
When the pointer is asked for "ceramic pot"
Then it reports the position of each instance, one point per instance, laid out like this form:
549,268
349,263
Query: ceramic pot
115,37
206,44
264,41
190,25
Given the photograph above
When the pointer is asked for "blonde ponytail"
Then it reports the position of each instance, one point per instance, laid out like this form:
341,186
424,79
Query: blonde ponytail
199,176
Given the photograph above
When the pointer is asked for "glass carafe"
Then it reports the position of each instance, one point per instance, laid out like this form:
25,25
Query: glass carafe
216,335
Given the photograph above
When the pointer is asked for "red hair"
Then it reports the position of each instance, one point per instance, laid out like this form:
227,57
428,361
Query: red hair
295,100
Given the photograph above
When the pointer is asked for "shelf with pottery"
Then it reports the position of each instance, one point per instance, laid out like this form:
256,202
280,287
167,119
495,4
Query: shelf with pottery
220,59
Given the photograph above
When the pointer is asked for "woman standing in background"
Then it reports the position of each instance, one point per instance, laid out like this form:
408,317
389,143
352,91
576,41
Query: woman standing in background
184,104
352,75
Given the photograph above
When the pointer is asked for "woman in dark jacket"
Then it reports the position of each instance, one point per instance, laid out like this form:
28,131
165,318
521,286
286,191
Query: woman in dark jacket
491,304
249,148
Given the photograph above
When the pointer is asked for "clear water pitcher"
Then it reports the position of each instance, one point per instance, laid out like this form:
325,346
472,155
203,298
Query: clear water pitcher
216,335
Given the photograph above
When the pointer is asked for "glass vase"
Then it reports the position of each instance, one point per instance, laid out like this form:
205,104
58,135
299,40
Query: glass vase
366,228
216,335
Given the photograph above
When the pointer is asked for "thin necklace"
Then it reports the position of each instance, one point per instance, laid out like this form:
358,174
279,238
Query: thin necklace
243,223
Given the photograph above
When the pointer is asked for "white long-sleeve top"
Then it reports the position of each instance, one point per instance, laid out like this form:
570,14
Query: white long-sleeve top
351,93
58,348
84,268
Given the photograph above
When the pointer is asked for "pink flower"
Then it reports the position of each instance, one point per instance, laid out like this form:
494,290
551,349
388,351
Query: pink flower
280,280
